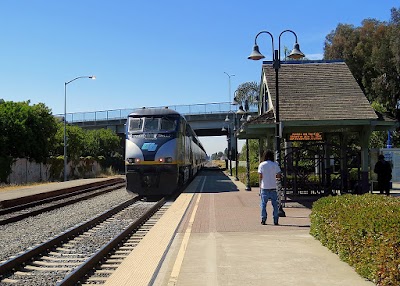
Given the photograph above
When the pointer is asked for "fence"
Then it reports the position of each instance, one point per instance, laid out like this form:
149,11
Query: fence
24,172
192,109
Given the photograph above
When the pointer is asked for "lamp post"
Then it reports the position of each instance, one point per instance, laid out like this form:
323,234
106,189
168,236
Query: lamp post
276,64
236,149
228,138
243,113
65,122
234,102
227,119
232,151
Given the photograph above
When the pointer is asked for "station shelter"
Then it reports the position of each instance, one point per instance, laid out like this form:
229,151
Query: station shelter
325,124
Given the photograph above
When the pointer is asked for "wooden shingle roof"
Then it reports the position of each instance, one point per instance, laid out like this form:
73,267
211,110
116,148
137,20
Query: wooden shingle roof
317,91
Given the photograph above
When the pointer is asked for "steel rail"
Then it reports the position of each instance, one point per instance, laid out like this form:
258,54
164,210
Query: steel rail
11,205
55,198
79,273
21,259
61,204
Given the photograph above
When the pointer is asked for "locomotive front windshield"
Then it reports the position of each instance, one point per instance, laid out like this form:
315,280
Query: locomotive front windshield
152,124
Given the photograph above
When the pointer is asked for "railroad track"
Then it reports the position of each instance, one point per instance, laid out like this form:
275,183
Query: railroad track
22,211
69,257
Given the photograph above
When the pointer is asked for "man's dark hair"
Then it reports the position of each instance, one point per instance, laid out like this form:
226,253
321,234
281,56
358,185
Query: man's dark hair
381,157
269,156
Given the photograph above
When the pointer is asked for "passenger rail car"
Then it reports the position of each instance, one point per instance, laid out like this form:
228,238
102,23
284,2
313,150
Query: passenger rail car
162,152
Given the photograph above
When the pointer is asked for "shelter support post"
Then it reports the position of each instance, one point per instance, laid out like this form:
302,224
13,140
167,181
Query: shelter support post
364,141
261,149
271,142
328,166
343,161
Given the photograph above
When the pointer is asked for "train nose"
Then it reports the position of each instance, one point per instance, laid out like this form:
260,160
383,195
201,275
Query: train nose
150,180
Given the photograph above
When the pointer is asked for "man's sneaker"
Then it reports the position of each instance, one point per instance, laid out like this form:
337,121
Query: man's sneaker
263,222
276,223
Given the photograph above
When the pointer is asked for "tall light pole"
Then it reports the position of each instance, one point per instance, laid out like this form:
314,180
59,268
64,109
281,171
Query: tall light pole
229,88
65,121
276,64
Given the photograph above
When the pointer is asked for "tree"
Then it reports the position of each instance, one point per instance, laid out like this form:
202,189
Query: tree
253,152
75,141
247,91
101,142
26,131
372,53
42,129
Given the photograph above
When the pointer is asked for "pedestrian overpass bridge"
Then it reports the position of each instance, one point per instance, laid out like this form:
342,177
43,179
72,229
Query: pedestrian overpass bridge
206,119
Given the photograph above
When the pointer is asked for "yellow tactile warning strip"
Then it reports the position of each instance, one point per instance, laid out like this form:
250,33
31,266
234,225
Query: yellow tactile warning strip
179,259
142,264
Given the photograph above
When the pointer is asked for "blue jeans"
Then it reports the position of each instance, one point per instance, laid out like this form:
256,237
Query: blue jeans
266,195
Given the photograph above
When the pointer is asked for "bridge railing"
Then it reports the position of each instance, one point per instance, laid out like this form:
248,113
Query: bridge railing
118,114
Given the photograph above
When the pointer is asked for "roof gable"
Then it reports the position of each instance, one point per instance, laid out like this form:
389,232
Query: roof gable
317,91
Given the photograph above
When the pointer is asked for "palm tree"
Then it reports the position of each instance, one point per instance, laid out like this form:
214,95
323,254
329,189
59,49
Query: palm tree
247,94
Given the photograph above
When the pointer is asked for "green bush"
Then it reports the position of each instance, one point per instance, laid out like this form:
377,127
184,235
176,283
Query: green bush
353,174
242,175
314,178
364,231
254,179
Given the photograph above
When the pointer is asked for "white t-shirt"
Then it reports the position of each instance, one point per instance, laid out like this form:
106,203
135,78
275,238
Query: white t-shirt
268,169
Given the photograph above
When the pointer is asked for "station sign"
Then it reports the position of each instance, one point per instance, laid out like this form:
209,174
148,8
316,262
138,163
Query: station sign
306,136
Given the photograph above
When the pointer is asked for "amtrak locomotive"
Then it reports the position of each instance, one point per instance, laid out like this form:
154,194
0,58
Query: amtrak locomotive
161,152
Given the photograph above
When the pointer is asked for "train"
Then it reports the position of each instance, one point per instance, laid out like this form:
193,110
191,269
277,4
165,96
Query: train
162,152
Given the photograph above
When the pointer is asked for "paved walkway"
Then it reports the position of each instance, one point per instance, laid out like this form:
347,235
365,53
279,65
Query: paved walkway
220,241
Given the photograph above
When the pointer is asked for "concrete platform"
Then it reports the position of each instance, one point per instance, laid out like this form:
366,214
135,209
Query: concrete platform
13,195
212,235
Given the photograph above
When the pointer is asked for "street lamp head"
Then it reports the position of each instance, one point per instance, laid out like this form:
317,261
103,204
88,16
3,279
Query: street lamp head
255,54
235,98
296,53
92,77
241,110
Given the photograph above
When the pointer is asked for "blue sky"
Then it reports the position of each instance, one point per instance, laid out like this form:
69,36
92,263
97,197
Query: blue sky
154,53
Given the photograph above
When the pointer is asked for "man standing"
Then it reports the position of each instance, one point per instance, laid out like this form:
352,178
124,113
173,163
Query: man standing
384,172
269,171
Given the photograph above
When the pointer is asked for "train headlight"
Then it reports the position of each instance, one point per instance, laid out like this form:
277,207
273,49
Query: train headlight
133,160
165,160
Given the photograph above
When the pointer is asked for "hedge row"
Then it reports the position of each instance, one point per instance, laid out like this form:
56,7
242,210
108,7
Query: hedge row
364,231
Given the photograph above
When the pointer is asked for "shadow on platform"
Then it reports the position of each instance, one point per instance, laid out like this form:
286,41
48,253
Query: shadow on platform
300,201
217,182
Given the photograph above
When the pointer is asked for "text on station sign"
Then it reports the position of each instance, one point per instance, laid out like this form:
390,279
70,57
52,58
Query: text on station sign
306,136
